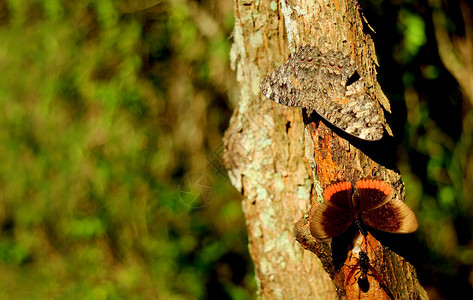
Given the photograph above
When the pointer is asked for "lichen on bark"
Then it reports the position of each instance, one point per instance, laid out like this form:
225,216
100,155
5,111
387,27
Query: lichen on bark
265,147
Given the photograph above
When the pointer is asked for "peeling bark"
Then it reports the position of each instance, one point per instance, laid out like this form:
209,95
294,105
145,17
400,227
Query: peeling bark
265,157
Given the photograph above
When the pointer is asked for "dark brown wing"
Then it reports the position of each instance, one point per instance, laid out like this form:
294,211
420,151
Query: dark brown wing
394,216
339,194
372,193
335,215
329,221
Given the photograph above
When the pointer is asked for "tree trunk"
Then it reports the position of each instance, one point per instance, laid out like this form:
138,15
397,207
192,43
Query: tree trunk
265,157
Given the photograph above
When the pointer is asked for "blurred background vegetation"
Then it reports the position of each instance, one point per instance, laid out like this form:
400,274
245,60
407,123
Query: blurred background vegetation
112,114
105,106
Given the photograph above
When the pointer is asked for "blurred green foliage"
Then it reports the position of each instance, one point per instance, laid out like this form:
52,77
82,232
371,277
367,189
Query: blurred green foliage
433,123
412,27
105,106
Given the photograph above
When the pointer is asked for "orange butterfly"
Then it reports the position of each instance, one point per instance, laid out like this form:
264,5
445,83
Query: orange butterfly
371,203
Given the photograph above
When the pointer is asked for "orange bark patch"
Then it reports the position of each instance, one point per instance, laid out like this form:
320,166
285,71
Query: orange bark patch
350,271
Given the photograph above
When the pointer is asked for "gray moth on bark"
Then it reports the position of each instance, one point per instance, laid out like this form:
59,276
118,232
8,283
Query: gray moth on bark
318,82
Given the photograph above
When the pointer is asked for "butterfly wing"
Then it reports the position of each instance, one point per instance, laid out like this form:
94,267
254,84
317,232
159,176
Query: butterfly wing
394,216
371,193
335,214
380,211
294,82
318,82
356,114
335,69
349,108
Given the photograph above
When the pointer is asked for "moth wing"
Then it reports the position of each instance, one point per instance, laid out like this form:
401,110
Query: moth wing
335,69
319,82
349,108
357,115
394,216
335,215
329,221
294,82
372,193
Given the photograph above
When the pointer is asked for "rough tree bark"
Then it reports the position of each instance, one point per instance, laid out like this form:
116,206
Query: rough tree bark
265,156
